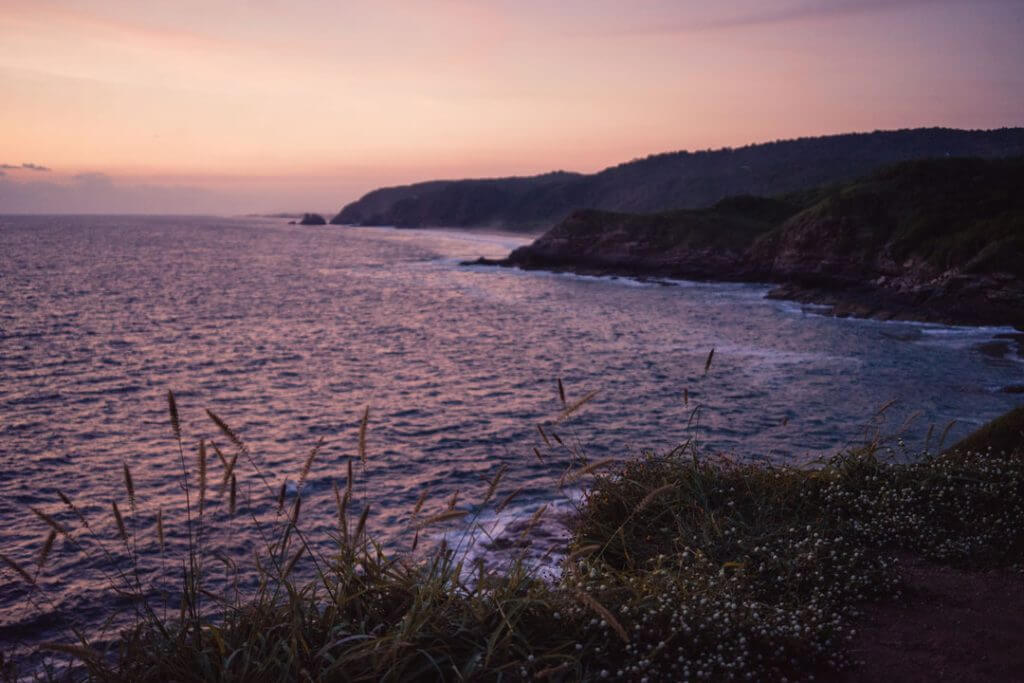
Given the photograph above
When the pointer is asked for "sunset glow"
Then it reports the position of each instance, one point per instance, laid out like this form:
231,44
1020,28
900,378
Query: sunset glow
265,105
511,340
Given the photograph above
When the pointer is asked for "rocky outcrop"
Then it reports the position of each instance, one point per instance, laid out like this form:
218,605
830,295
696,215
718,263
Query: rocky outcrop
933,240
701,244
312,219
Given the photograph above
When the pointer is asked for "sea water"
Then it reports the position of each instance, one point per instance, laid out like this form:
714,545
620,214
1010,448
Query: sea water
288,333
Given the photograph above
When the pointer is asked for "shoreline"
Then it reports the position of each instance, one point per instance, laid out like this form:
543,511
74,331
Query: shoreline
854,301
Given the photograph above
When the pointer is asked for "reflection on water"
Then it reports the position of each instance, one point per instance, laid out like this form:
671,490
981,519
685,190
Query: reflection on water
288,331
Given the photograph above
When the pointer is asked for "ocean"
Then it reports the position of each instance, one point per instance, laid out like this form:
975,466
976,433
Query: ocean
289,333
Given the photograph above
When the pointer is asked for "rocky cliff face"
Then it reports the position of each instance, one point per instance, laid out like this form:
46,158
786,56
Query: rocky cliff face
938,240
462,203
685,244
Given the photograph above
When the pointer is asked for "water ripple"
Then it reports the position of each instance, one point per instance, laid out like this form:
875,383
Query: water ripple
288,332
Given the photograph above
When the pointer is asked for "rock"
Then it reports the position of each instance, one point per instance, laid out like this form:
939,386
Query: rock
312,219
910,335
994,349
483,261
1014,338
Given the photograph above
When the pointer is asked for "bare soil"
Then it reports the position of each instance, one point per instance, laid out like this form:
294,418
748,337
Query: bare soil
950,625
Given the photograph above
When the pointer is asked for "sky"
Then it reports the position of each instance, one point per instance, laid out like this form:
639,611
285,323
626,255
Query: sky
238,106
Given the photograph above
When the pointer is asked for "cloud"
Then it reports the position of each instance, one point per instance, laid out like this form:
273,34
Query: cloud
99,193
24,167
94,180
808,10
811,10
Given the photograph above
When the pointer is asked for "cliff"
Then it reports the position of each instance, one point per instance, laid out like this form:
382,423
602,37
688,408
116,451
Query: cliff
525,202
939,239
688,243
664,182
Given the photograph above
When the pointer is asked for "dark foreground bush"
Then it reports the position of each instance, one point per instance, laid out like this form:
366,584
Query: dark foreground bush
680,568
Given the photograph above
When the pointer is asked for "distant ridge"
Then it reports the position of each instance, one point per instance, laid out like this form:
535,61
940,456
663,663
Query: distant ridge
675,180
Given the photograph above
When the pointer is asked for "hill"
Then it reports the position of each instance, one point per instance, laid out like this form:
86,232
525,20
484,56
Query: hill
941,239
663,182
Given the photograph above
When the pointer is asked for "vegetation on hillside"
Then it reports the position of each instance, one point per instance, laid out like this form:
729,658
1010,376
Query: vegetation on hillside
947,213
669,181
681,567
939,239
1003,434
732,223
942,214
698,242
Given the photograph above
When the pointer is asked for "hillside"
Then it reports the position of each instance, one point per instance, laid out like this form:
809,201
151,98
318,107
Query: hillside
940,239
694,243
664,182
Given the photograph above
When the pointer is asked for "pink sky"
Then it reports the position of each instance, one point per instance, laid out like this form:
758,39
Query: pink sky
264,105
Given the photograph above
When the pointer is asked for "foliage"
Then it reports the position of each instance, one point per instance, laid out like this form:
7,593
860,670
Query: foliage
665,182
908,227
948,213
681,568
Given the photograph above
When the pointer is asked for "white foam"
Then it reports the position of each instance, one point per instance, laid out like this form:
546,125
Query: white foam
503,239
545,558
932,334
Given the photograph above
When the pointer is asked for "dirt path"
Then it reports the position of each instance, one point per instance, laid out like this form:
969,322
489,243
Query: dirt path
951,625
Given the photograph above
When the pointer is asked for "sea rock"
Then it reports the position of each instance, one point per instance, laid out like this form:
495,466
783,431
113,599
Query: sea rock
994,349
312,219
484,261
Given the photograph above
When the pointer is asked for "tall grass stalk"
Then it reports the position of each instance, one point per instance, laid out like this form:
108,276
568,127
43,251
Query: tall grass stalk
680,567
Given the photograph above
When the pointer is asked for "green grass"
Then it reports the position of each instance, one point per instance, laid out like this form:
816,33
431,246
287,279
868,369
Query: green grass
949,213
731,224
1005,433
681,567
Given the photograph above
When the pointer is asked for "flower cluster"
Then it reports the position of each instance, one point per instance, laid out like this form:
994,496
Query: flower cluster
723,571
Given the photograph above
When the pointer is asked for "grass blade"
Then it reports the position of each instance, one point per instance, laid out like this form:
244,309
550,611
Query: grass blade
17,568
362,434
172,408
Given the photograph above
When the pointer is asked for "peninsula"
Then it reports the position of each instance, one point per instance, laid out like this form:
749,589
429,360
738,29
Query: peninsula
939,240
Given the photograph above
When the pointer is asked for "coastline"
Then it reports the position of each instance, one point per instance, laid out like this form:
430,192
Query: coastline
678,566
612,589
851,301
899,244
